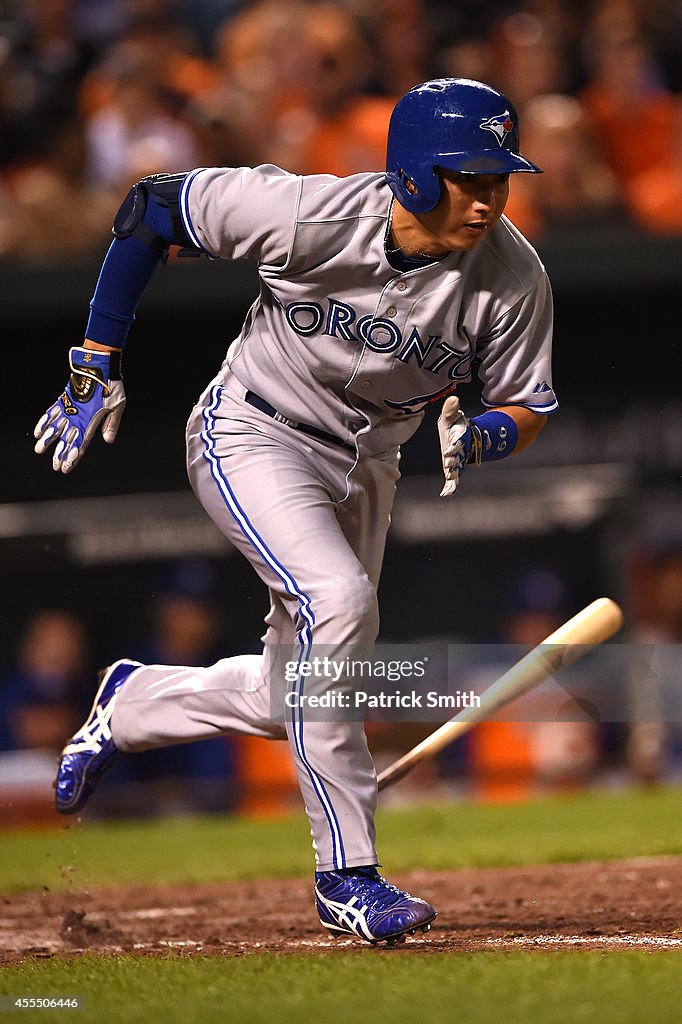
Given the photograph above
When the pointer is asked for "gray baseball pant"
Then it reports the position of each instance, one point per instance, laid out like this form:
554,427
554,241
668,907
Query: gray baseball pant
312,521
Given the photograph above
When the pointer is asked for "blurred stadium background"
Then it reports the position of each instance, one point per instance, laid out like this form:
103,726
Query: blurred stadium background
120,559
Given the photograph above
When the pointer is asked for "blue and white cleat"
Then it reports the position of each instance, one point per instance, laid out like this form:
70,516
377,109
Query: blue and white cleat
366,905
91,752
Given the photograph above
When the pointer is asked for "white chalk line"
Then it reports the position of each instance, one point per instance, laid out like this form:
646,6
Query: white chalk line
27,943
661,941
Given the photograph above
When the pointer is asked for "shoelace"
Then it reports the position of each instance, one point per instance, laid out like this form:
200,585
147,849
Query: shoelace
365,886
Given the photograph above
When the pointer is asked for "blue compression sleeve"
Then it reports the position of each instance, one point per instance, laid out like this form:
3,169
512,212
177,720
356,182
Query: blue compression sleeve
498,432
127,270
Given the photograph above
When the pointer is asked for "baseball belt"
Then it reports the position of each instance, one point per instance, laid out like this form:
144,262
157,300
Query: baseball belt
305,428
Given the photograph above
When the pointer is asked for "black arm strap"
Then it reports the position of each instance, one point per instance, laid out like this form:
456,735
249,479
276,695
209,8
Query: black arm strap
163,189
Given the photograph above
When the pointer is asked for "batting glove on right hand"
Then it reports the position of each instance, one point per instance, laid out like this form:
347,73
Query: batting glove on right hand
459,443
93,396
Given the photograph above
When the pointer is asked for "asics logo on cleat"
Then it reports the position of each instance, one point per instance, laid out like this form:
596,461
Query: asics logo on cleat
349,918
89,737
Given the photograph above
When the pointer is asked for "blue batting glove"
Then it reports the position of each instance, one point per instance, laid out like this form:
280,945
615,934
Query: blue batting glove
93,397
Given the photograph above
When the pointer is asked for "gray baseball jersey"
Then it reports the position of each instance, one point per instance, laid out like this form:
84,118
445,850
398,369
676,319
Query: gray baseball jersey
340,341
339,335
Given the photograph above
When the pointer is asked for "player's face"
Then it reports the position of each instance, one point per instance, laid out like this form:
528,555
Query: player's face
470,205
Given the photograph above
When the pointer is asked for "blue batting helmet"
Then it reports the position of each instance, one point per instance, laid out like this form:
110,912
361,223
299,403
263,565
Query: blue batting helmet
453,123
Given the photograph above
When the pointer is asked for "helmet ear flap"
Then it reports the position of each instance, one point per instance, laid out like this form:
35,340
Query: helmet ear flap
407,183
414,197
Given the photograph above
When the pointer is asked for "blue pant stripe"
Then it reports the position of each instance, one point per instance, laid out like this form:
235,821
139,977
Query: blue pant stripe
304,634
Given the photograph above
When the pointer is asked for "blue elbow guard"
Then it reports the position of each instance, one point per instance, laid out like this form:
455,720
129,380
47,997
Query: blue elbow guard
151,213
494,436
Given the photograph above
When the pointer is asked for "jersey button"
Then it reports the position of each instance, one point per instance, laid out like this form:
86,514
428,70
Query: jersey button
401,286
391,311
365,383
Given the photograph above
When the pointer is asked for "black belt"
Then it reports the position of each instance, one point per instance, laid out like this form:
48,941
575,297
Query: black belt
322,435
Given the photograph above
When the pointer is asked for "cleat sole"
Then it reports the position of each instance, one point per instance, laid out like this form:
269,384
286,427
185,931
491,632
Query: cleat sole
390,940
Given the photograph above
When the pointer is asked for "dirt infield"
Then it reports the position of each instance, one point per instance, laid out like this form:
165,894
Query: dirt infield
614,904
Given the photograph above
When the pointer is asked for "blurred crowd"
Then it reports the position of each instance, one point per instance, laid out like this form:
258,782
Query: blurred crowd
48,682
95,94
47,689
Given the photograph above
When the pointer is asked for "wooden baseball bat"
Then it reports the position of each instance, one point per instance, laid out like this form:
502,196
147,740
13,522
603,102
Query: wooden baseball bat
594,624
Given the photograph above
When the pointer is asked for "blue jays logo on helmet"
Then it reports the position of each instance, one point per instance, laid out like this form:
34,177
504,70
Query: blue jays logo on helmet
500,126
450,123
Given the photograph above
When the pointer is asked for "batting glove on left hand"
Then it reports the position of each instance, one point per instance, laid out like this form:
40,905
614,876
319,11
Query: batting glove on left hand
93,396
459,443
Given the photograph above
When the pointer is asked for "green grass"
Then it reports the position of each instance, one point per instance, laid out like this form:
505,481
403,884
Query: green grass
377,986
372,986
591,825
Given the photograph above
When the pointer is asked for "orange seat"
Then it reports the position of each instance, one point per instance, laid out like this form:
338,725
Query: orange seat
267,783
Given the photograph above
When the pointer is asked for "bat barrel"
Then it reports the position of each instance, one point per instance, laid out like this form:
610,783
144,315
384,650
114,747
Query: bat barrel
591,626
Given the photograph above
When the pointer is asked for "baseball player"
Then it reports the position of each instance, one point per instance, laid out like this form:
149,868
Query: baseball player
378,294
